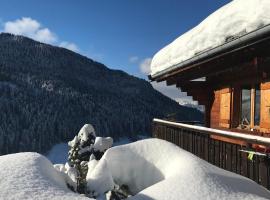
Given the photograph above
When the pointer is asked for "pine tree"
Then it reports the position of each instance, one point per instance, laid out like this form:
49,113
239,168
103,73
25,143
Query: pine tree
81,147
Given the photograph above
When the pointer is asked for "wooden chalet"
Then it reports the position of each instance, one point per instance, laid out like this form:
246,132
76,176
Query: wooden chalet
235,89
232,81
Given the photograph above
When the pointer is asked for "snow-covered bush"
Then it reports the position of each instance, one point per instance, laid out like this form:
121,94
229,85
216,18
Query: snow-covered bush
85,150
80,151
82,144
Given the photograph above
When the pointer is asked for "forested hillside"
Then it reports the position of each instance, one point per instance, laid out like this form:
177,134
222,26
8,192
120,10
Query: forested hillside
48,93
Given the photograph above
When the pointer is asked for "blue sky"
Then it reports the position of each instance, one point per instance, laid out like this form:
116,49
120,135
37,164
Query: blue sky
122,34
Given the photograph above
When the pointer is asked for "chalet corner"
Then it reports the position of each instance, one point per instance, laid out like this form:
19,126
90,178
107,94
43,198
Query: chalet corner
230,76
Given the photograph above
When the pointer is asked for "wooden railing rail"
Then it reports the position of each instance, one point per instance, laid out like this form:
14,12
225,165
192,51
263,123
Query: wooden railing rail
199,141
253,139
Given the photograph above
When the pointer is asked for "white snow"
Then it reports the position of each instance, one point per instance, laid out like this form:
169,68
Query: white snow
85,131
151,168
31,176
101,144
68,174
100,180
74,141
156,169
48,86
71,172
234,19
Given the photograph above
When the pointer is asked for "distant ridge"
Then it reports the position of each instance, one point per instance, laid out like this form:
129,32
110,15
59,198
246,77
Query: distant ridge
47,93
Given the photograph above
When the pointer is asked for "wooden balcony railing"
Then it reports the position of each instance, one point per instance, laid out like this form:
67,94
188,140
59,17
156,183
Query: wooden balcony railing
201,142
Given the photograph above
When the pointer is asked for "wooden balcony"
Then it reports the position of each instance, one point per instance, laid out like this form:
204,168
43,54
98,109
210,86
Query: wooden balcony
226,154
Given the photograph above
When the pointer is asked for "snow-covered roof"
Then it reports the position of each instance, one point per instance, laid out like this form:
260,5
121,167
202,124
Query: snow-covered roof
233,20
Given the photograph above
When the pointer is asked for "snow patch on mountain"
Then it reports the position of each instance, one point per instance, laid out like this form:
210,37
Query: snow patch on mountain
190,104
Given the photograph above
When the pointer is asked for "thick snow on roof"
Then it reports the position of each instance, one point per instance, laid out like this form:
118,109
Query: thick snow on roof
234,19
156,169
31,176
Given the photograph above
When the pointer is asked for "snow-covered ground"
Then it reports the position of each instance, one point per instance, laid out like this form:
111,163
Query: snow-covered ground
31,176
232,20
153,169
156,169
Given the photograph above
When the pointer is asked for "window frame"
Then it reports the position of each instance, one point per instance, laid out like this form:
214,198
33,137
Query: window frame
252,126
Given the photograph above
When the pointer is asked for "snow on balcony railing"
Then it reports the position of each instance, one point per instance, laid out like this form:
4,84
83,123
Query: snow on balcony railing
233,135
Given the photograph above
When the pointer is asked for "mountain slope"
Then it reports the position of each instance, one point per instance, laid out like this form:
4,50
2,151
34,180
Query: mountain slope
47,93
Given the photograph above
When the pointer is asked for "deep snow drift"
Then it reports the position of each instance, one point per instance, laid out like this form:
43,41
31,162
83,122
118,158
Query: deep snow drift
234,19
156,169
152,169
31,176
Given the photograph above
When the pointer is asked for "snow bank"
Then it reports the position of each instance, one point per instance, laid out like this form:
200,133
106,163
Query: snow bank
234,19
156,169
31,176
102,144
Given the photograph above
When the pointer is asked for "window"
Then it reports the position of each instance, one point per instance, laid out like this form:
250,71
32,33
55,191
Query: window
245,106
250,107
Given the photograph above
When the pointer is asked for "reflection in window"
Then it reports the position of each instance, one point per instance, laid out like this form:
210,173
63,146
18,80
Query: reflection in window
245,106
257,106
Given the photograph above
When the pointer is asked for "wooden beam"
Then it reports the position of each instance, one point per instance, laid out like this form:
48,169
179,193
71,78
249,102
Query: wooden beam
193,85
171,81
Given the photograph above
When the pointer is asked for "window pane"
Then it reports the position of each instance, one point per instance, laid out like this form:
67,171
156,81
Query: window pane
257,106
245,106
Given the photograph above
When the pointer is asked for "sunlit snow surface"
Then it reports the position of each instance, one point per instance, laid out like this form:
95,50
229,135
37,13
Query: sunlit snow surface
156,169
31,176
153,169
236,18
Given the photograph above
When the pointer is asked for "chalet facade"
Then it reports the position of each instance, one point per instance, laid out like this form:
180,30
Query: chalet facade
232,81
236,86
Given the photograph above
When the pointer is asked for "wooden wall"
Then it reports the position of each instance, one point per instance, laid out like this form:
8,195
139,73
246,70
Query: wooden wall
265,108
225,109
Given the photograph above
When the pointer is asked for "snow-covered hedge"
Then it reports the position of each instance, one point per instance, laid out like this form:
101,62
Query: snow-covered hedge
85,149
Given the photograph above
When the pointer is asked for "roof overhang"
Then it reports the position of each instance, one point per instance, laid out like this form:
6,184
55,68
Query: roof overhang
255,43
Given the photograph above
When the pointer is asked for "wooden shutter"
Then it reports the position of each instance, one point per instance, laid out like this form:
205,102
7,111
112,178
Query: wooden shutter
225,108
265,106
